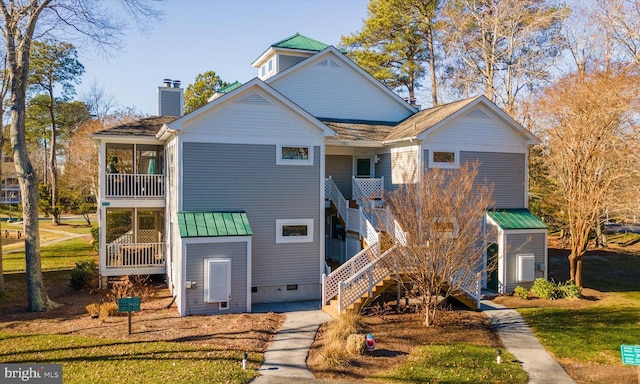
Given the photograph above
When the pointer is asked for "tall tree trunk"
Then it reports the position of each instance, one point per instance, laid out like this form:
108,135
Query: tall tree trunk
38,299
55,214
432,68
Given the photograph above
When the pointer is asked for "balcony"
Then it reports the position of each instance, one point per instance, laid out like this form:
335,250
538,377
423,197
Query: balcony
134,186
135,255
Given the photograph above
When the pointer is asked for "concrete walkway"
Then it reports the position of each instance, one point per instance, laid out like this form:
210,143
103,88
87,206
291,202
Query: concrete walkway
285,360
520,341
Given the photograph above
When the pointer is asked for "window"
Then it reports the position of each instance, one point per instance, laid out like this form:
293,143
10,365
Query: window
262,69
270,65
294,230
445,228
444,159
294,155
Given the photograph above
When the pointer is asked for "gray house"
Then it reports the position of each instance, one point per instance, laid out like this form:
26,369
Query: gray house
246,199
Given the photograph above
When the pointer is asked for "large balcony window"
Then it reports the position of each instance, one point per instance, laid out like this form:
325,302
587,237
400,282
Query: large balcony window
134,170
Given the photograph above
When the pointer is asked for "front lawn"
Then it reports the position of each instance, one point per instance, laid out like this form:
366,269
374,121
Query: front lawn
457,363
96,360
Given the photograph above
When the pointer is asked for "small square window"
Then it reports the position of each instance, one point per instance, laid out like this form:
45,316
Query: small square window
294,230
294,155
292,287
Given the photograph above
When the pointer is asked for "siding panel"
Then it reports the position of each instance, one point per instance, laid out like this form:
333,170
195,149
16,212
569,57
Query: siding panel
339,92
196,253
521,243
506,171
245,177
340,168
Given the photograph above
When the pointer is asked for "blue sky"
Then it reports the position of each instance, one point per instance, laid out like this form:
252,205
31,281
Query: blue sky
225,36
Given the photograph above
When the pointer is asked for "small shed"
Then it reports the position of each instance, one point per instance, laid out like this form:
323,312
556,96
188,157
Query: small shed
216,262
519,254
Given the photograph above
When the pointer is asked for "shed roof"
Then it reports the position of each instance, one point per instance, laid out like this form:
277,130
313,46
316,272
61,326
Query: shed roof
213,224
516,219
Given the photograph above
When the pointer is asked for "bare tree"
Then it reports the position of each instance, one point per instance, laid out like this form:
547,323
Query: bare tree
501,48
24,21
442,216
100,102
591,130
621,20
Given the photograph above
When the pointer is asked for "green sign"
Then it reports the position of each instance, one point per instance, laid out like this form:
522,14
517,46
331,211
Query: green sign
630,354
106,203
129,304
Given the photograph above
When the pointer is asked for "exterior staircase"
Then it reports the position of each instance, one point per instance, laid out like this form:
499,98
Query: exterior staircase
366,275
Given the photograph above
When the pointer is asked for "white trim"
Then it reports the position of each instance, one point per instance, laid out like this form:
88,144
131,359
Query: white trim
321,213
280,223
281,161
445,165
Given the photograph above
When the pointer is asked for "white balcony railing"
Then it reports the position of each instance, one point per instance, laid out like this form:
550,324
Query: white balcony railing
135,255
134,185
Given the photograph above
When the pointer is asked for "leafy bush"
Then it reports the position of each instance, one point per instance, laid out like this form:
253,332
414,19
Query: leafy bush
569,290
84,275
521,292
545,289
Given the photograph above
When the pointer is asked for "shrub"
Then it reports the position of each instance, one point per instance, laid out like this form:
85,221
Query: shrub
130,286
521,292
108,309
93,310
355,344
95,237
569,290
545,289
84,275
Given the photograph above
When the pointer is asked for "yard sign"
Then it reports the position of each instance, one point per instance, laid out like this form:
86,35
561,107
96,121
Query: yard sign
129,304
630,354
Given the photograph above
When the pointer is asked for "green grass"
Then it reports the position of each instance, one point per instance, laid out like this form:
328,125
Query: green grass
62,255
594,333
95,360
457,363
591,334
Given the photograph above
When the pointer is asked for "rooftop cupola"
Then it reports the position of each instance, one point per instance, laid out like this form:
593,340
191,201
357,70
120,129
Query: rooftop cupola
285,54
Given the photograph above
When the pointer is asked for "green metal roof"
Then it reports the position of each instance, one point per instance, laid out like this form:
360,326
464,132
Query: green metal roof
213,224
229,87
298,41
516,219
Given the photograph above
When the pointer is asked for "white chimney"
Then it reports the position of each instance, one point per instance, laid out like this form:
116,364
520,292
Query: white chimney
170,98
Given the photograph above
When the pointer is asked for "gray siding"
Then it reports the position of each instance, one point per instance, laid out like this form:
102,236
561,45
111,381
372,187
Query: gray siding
383,169
506,171
523,243
246,177
196,253
287,62
340,168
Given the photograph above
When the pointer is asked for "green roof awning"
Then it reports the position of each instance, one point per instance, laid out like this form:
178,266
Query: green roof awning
516,219
213,224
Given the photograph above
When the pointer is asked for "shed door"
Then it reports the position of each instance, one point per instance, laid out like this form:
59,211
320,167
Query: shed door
217,280
492,263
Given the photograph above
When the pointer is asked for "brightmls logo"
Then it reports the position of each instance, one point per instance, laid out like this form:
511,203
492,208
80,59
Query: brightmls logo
31,373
